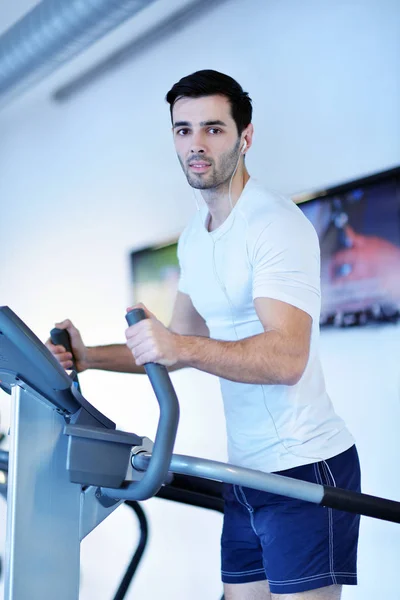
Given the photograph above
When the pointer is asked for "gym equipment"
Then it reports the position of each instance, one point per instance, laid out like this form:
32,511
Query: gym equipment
186,490
69,468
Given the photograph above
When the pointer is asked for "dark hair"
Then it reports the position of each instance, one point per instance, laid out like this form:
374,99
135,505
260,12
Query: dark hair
210,83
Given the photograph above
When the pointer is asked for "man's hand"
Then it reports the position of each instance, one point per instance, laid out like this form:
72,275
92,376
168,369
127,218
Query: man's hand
151,342
78,348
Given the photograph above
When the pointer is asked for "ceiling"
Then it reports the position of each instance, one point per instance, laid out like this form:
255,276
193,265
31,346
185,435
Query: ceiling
12,10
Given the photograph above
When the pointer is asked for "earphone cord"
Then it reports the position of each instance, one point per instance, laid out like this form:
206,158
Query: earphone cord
229,188
231,179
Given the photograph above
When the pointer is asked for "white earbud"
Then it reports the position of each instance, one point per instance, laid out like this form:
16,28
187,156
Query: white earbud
244,146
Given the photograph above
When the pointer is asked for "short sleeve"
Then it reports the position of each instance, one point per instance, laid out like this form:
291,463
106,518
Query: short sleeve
286,264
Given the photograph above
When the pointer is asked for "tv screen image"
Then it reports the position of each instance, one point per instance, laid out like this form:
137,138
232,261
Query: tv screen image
155,277
358,225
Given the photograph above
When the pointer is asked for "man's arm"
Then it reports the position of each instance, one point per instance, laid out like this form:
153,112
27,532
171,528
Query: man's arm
118,357
114,357
279,355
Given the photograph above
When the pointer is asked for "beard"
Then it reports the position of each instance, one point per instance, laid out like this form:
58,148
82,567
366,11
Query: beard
218,174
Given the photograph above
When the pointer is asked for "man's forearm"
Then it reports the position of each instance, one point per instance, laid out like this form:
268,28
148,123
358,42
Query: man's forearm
266,358
115,357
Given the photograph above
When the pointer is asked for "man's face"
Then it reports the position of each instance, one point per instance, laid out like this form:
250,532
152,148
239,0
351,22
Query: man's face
206,140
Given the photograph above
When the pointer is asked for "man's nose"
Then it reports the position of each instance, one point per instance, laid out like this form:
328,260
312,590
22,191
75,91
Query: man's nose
198,145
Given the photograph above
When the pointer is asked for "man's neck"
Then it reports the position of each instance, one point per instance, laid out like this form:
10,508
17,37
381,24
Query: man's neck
220,203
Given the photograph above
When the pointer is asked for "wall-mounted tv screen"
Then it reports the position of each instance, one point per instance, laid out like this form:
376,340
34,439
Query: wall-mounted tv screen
155,276
358,224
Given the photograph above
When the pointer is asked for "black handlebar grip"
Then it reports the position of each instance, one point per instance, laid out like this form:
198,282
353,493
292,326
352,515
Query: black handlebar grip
135,315
60,337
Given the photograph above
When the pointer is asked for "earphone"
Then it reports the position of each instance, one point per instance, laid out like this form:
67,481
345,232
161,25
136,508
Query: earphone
244,146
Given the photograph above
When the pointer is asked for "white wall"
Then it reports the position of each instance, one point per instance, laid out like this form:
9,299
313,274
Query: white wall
82,184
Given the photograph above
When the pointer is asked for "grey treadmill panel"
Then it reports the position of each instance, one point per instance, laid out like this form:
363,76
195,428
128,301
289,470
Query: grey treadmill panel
24,357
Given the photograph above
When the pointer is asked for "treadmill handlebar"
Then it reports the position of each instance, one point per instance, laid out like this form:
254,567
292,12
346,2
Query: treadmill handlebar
61,337
23,358
157,471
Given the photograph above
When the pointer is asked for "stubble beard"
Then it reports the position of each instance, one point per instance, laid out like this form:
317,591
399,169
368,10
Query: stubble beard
218,175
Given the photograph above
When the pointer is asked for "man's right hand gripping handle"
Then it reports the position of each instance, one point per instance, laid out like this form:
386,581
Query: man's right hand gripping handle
73,357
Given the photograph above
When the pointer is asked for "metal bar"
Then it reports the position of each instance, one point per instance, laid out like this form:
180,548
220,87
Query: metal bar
346,500
211,469
137,557
157,470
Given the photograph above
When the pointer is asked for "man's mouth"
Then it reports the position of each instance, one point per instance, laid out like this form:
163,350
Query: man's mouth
199,165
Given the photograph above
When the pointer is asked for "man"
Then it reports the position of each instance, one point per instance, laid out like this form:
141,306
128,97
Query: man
247,310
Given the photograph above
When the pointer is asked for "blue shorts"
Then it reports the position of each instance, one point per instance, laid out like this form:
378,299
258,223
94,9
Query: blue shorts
295,545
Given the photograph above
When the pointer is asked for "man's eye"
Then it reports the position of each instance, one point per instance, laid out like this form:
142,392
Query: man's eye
214,130
182,131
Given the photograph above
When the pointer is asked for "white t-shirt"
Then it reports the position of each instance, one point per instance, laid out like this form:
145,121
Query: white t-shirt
265,248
